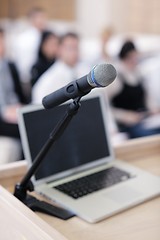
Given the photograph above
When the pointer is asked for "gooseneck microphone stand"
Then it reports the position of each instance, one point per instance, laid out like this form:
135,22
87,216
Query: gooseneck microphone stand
26,184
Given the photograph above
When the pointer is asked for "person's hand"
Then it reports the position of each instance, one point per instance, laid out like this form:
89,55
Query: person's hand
10,113
154,111
133,118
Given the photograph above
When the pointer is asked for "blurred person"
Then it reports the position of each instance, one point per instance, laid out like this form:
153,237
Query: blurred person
150,68
27,43
103,44
11,94
47,55
67,68
106,35
128,96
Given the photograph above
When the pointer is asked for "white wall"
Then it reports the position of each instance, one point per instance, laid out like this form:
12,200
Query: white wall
123,15
92,16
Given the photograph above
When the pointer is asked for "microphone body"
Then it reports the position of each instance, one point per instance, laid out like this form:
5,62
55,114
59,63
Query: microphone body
70,91
100,76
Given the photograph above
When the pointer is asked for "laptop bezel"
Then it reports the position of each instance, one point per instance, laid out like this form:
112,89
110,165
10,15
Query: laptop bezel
73,171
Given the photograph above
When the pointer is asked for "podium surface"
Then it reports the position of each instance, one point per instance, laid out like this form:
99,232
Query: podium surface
139,222
19,223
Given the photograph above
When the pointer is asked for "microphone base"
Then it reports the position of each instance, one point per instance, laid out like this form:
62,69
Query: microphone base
36,205
26,184
41,206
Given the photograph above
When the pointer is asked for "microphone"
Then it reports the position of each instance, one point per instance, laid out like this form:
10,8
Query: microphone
101,75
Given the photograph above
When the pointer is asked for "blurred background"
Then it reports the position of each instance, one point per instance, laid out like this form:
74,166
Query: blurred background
44,40
90,17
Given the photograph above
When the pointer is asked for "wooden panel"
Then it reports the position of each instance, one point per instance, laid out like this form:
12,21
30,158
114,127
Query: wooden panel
134,149
19,222
4,8
136,16
56,9
12,173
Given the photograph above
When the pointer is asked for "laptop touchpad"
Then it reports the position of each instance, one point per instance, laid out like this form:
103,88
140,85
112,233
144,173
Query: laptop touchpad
123,194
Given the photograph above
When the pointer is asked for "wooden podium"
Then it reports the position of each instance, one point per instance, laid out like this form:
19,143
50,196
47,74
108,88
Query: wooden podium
19,223
140,222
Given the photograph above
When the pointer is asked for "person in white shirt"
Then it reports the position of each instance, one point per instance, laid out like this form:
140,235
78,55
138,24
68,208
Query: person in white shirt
27,43
150,68
66,69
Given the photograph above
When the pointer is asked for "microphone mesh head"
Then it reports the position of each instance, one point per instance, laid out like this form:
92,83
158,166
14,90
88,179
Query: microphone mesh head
102,75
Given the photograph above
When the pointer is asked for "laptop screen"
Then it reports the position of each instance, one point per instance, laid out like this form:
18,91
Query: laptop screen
84,141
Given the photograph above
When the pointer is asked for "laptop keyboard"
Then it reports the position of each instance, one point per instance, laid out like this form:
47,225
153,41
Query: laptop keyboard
94,182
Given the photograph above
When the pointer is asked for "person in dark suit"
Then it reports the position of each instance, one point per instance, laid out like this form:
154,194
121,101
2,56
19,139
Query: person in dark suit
11,94
129,97
47,55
